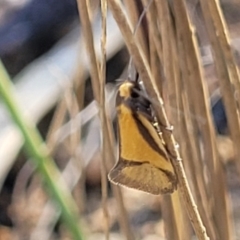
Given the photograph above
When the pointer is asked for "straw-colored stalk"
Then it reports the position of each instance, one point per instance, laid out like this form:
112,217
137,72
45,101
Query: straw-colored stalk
145,74
107,132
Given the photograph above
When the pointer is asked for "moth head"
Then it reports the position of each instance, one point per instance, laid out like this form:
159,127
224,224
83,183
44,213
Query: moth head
125,89
131,95
129,89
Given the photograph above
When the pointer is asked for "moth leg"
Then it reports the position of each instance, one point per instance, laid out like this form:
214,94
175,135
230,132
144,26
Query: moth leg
170,128
176,146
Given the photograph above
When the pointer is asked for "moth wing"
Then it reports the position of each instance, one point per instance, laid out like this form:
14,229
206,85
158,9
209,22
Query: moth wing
142,176
143,162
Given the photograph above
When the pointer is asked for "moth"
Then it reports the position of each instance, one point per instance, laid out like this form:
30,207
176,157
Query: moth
143,162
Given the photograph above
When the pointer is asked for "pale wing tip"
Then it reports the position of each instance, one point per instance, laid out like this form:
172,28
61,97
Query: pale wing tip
118,178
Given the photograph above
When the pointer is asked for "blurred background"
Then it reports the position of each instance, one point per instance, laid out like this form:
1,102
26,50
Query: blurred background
43,51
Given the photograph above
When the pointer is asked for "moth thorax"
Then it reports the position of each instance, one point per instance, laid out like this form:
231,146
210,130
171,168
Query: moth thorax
125,89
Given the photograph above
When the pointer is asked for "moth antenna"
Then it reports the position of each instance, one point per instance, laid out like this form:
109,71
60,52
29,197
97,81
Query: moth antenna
130,65
141,16
137,79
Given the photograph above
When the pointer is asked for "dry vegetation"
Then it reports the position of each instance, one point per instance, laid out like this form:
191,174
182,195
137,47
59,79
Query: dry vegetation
183,53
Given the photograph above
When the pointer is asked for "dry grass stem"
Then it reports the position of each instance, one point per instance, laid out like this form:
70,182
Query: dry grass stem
220,46
95,78
104,150
145,74
56,123
197,90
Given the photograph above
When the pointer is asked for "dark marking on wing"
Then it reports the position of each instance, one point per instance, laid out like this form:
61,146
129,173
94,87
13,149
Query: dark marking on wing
117,176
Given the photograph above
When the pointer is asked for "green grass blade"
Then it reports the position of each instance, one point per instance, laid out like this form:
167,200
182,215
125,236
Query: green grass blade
38,154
